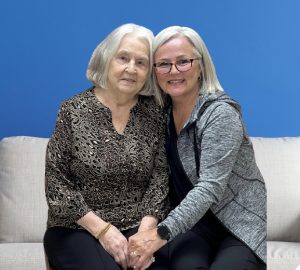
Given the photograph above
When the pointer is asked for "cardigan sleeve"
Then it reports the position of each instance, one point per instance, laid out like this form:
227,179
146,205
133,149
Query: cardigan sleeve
64,199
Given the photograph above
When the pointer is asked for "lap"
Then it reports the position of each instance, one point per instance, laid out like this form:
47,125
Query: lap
196,251
76,249
190,251
234,254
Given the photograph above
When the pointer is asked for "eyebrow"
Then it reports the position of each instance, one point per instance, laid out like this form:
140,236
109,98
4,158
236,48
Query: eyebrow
177,58
143,57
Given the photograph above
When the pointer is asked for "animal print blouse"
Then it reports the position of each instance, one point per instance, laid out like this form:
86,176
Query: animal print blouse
91,167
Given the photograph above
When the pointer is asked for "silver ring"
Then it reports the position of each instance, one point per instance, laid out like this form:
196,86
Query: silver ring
153,259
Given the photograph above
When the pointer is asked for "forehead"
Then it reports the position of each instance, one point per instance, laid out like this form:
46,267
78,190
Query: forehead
175,47
132,43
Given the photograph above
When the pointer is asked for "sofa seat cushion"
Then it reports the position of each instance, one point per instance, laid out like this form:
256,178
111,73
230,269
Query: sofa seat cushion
283,255
22,256
23,207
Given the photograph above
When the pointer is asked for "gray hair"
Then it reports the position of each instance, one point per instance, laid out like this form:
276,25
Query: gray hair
98,66
210,82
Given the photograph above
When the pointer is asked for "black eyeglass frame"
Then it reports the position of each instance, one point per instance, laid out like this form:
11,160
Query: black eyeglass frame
171,65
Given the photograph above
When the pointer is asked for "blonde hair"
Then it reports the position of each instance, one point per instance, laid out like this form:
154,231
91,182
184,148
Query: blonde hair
210,82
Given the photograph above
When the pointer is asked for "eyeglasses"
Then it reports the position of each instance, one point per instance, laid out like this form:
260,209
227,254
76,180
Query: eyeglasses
181,65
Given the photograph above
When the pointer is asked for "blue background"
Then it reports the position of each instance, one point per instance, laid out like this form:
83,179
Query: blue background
46,45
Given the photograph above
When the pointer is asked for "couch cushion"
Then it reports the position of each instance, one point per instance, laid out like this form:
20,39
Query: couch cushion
22,256
279,162
23,208
283,255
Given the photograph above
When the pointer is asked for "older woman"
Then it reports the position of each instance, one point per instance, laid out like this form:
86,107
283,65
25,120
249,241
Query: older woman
106,168
218,194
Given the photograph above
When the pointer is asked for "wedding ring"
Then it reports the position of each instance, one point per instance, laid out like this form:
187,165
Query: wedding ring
134,253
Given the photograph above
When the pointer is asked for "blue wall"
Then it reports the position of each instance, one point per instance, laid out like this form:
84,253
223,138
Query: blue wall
46,45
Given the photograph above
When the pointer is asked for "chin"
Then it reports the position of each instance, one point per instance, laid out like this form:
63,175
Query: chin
175,92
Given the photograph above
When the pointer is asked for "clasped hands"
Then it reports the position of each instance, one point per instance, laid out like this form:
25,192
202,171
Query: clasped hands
141,247
138,251
135,253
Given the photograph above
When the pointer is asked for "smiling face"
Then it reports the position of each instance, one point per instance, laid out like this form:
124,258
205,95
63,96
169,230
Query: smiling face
175,83
129,68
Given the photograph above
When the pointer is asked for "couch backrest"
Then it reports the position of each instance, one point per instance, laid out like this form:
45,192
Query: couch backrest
23,208
279,163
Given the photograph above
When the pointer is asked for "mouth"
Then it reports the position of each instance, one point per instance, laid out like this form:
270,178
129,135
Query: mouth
174,82
129,80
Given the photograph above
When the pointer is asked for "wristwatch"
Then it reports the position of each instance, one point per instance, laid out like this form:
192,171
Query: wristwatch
163,232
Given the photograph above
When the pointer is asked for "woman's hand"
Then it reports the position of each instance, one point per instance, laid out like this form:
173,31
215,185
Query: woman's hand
147,223
115,243
142,246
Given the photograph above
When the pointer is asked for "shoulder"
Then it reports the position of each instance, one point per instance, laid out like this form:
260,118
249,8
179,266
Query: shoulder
79,100
221,117
223,110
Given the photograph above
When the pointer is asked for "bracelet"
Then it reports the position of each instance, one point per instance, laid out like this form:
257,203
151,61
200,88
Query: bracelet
103,231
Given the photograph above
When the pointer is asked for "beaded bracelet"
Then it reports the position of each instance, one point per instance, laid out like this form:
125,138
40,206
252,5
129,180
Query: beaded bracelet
103,231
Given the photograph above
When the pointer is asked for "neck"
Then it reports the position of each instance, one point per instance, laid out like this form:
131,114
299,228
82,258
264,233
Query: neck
113,100
184,103
182,109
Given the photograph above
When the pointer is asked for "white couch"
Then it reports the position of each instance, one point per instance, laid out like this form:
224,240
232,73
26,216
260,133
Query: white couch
23,208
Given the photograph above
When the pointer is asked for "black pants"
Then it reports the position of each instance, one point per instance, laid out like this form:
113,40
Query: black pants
194,250
78,250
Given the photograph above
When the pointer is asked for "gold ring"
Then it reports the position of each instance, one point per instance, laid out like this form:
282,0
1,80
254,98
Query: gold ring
134,253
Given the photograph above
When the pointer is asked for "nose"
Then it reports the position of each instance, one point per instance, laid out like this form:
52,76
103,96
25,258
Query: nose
174,69
131,67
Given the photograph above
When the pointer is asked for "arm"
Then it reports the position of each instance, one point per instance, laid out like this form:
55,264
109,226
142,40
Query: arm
220,143
64,197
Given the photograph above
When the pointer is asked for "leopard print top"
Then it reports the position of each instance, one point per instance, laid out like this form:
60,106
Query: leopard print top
91,167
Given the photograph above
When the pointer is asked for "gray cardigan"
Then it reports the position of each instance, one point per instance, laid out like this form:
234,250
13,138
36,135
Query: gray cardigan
228,180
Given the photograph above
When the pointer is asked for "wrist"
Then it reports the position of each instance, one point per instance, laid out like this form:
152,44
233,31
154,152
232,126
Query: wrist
163,232
103,231
148,223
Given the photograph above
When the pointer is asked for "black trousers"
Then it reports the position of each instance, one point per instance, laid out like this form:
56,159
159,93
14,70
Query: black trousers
197,249
78,250
194,250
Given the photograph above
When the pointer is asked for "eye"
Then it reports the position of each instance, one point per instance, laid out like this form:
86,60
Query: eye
163,64
183,62
142,62
122,58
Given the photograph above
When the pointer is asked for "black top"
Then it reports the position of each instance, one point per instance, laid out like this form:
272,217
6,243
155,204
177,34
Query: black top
180,185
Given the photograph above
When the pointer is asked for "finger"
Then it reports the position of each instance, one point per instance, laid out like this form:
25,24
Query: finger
147,265
133,260
134,257
145,261
123,260
125,250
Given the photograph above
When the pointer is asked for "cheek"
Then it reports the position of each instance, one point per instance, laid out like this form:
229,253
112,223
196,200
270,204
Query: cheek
143,76
160,79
